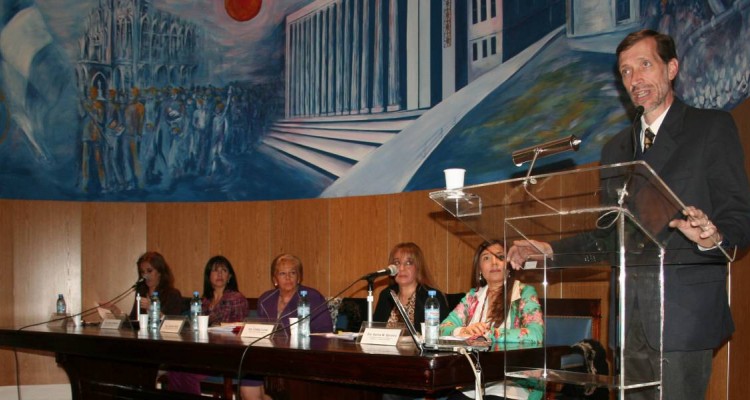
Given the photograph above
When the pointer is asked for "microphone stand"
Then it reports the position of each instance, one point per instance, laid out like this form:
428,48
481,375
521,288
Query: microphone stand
370,299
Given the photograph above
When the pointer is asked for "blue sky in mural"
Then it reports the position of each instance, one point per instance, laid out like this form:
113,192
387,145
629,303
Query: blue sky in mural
61,140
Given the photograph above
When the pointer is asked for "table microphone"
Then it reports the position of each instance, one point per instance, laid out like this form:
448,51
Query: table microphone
391,270
138,282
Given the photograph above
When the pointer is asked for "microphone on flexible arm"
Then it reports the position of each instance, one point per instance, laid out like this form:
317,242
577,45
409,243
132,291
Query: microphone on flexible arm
638,113
140,281
545,149
391,270
622,192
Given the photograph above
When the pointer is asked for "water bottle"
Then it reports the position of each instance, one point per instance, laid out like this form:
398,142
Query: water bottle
431,319
61,308
195,310
303,313
154,313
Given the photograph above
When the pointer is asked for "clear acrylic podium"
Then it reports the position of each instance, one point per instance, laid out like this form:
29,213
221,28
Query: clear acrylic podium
613,217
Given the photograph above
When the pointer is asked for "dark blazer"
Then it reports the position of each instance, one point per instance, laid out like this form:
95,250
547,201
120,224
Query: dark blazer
698,154
385,305
171,301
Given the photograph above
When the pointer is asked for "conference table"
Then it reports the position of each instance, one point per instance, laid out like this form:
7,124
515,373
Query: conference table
124,363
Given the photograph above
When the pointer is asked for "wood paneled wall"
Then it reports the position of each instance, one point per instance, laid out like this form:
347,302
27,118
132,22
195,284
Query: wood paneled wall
87,251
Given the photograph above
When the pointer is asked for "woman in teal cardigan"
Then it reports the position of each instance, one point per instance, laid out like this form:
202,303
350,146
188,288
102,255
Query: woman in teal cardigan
482,312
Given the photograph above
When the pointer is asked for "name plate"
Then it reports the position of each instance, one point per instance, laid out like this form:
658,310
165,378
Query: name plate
381,336
111,323
256,330
172,325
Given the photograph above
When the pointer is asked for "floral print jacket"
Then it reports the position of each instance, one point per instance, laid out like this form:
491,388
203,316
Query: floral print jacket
523,324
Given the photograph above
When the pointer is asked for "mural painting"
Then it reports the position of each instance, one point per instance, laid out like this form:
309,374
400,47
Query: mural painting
187,100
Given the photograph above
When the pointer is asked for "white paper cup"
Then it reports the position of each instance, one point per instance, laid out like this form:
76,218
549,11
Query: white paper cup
454,178
203,323
77,321
143,322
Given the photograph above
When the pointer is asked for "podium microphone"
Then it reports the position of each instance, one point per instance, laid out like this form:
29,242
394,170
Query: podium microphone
638,112
391,270
546,149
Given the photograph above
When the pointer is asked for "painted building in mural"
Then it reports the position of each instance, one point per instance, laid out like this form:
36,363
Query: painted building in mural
129,43
371,56
380,65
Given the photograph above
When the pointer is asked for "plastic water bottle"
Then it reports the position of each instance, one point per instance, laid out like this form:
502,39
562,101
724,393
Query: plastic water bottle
303,313
60,308
195,310
431,319
154,313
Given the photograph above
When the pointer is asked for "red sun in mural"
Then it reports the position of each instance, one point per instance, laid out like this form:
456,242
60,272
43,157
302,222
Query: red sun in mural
242,10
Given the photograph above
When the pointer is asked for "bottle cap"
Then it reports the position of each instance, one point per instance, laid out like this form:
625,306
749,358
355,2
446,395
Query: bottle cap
303,292
196,293
156,293
431,292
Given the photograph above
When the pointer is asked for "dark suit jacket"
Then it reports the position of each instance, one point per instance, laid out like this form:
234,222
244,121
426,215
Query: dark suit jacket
385,305
697,153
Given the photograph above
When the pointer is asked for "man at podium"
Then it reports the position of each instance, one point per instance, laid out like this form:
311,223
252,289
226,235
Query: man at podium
698,154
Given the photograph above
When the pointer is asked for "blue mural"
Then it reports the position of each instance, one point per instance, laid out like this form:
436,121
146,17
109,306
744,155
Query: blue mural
173,100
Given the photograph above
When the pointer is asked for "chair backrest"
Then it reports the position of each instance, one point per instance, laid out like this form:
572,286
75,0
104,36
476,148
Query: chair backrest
252,307
569,321
351,312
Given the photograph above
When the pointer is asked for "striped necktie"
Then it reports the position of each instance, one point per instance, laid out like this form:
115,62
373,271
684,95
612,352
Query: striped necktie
648,139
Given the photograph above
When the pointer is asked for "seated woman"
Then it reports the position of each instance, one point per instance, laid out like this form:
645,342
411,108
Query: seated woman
482,312
222,302
411,283
281,303
157,277
222,299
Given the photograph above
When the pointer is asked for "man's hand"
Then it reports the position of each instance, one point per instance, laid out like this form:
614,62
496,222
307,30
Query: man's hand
525,250
697,227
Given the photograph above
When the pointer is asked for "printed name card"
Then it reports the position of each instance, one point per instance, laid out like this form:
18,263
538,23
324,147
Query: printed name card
381,336
111,323
172,325
256,330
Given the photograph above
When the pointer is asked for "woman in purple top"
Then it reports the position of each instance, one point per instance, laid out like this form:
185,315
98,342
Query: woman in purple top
281,303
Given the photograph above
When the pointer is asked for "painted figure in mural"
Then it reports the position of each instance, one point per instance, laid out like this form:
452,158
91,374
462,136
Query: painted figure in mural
219,128
187,124
113,129
152,164
179,151
134,116
91,138
698,154
240,125
200,132
173,111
